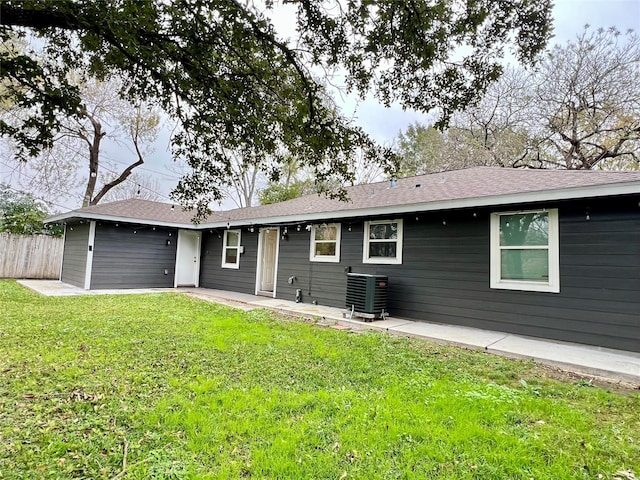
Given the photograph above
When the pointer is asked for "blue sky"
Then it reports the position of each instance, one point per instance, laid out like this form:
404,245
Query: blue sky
570,17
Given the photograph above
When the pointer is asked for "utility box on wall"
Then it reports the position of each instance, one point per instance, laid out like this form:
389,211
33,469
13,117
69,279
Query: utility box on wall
367,295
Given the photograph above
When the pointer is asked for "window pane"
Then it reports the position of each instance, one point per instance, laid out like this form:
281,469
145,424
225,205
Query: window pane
383,231
326,232
328,248
523,264
382,249
232,239
524,229
231,255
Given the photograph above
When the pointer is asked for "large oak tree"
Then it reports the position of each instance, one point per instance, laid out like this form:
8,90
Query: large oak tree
231,82
578,109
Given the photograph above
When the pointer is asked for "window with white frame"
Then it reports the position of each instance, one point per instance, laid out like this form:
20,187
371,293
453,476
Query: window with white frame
525,250
382,242
325,243
231,249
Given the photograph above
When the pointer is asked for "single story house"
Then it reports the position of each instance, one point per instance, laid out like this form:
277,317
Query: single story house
544,253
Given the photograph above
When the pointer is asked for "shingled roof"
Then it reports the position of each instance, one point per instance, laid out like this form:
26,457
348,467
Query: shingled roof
478,186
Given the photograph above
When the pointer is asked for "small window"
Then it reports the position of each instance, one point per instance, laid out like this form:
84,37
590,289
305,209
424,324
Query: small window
325,243
231,249
382,242
525,251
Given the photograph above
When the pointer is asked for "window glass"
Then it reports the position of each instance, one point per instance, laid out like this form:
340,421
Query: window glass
231,255
524,229
327,249
523,264
383,231
326,232
382,249
232,239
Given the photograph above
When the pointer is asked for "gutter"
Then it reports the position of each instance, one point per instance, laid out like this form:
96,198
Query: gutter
626,188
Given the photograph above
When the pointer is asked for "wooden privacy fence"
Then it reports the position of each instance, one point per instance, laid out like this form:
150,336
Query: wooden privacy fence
30,256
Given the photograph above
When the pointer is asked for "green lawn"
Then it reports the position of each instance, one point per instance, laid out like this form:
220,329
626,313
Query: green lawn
191,389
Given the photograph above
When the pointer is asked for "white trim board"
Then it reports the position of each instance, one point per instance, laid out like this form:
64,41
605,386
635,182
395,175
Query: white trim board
225,246
90,248
114,218
366,241
577,193
313,242
553,249
64,243
572,193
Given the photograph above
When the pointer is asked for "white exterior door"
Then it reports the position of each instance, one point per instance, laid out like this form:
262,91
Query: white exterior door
187,259
268,260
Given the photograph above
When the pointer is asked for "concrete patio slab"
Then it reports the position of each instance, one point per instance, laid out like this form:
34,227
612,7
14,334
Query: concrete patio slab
387,324
596,361
55,288
450,334
307,309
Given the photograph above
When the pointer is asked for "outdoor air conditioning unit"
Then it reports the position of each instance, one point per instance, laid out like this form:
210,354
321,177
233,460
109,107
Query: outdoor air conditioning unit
367,295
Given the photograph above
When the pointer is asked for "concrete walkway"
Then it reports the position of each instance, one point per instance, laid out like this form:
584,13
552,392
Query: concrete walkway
608,364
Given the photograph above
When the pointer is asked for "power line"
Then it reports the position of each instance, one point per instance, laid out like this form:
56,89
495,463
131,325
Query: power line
78,195
36,198
175,177
33,179
135,183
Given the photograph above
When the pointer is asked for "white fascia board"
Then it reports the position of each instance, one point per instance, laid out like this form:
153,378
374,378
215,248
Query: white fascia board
487,201
626,188
112,218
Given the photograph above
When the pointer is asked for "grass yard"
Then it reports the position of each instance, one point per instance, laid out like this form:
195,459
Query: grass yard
166,386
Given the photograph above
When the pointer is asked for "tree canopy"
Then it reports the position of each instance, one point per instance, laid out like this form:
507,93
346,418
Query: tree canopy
578,109
588,101
76,157
222,72
22,214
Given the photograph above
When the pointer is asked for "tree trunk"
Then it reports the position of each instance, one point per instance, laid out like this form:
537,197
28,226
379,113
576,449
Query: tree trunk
94,158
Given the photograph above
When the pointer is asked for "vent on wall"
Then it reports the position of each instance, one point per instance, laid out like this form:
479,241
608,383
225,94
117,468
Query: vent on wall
367,295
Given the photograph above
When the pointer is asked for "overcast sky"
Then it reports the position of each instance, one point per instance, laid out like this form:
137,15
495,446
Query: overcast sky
570,17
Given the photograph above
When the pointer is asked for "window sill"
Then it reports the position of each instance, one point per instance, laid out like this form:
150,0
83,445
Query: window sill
382,261
526,286
235,266
325,259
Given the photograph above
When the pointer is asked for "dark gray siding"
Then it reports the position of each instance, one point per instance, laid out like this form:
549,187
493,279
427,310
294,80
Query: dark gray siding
445,275
212,275
130,256
74,260
322,282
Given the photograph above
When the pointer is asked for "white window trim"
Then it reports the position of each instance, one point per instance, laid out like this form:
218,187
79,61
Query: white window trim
553,285
383,260
224,250
325,258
